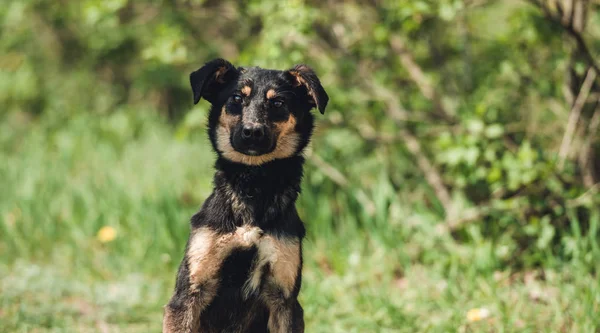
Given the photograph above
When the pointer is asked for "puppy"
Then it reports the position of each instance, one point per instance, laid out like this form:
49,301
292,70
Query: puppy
242,267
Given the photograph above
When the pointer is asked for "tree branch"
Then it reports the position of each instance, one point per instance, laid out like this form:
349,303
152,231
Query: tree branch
416,74
573,26
586,154
338,177
397,114
574,115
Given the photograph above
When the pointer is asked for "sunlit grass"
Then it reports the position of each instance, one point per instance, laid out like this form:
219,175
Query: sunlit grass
94,223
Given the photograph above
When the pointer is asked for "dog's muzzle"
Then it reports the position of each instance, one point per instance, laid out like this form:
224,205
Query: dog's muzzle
252,139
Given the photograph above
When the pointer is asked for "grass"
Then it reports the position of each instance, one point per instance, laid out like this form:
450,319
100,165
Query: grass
63,181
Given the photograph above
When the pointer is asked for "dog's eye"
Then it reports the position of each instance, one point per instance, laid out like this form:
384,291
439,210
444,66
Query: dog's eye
277,103
237,99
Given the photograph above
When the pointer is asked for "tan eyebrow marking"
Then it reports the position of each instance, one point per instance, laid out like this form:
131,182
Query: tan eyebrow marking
246,90
271,93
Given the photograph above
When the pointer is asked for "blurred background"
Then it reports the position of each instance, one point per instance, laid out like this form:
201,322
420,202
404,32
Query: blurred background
452,184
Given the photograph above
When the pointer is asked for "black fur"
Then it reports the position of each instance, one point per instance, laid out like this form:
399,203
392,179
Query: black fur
267,192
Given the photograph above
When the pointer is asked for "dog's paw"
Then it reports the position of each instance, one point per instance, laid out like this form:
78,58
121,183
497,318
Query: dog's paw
249,235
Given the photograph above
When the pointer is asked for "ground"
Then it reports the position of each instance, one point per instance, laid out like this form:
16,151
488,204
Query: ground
93,224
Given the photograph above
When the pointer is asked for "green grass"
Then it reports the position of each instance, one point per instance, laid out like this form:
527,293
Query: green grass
62,182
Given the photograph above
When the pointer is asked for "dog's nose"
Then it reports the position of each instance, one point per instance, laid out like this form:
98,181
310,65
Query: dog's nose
253,132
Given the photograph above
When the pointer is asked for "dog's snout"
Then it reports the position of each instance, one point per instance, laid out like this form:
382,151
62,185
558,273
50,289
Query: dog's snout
252,138
253,132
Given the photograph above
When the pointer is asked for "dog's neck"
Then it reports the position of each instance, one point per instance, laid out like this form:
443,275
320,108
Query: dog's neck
272,176
254,190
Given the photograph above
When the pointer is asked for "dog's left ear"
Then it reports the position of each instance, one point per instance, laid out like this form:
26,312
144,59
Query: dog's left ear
210,78
303,75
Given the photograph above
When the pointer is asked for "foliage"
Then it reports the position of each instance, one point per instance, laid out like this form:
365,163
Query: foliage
444,157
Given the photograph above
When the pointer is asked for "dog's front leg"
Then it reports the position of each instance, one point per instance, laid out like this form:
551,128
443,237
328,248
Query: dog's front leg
198,277
282,283
285,314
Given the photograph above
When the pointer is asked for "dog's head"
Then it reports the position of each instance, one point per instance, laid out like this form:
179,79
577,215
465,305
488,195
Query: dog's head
258,115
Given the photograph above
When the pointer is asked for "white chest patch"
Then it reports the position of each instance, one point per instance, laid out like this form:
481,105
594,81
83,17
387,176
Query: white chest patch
283,257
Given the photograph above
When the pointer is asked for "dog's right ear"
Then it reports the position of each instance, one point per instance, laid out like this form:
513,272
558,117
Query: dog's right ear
304,76
210,78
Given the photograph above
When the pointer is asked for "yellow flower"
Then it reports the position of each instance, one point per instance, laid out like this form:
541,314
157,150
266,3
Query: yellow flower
106,234
477,314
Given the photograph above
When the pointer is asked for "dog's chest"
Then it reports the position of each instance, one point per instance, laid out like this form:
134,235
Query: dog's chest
263,266
245,269
237,268
274,260
243,211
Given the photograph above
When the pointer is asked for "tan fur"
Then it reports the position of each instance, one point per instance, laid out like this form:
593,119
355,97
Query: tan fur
280,320
283,257
271,93
301,82
286,127
240,209
203,256
201,260
246,90
186,321
226,119
265,255
206,253
287,142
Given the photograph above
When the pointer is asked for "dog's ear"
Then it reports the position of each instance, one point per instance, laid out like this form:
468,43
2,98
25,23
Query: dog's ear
210,78
303,75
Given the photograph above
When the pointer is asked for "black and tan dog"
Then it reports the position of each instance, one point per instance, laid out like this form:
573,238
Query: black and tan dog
242,266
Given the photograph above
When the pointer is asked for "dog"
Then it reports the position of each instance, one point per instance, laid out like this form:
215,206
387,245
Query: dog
242,267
